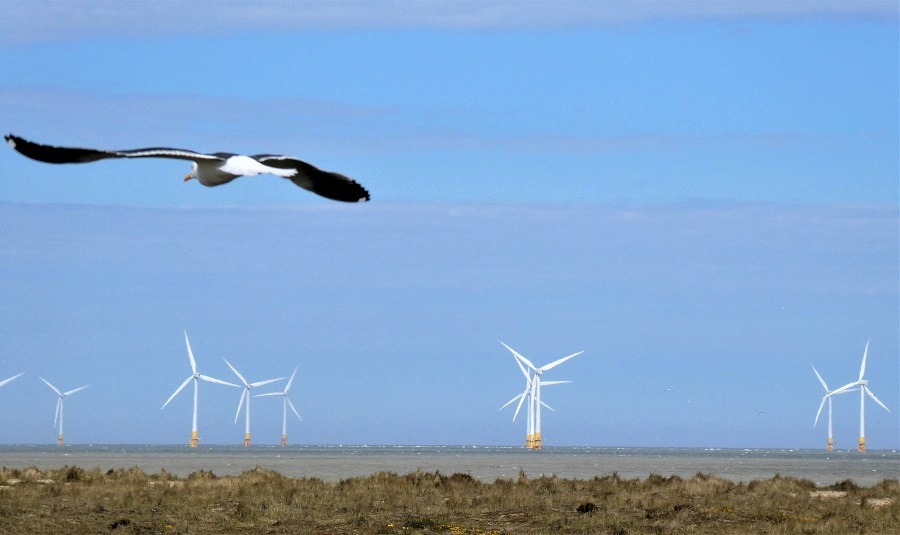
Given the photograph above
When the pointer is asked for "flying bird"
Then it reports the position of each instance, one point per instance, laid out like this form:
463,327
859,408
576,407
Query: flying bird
211,169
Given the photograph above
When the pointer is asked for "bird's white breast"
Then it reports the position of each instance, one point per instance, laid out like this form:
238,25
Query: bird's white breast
247,166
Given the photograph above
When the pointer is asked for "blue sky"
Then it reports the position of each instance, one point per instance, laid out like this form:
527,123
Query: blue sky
702,196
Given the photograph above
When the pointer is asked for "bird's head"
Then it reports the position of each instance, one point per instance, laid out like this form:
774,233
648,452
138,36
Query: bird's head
193,173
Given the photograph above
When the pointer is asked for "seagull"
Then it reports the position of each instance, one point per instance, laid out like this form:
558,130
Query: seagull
211,169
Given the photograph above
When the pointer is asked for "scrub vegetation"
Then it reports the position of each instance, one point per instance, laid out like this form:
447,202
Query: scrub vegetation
75,500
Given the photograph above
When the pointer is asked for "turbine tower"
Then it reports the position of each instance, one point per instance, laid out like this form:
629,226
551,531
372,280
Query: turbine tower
59,408
828,394
246,395
196,377
863,385
286,403
534,440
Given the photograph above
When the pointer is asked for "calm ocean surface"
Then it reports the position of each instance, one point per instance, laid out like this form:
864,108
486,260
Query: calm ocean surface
333,463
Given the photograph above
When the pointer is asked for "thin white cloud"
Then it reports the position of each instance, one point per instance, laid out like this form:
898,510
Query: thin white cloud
326,125
25,21
172,119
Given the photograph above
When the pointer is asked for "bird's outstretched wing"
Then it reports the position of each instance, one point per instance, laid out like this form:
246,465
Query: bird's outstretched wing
325,183
52,154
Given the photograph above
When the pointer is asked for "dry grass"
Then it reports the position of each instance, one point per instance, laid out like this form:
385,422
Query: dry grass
73,500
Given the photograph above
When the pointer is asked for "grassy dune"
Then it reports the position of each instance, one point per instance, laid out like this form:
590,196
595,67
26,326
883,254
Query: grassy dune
74,500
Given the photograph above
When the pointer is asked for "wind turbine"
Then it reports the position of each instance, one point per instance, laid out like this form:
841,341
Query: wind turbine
246,395
59,408
528,394
827,396
11,379
863,385
286,403
196,377
533,439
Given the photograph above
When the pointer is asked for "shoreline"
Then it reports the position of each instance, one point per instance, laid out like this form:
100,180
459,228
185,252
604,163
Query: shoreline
488,464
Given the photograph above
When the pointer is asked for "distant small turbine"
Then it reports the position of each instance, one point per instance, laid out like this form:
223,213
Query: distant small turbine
246,395
287,403
534,439
196,378
528,394
59,408
863,385
828,393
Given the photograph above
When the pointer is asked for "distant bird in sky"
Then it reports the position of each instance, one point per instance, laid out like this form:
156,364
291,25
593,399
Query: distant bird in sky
211,169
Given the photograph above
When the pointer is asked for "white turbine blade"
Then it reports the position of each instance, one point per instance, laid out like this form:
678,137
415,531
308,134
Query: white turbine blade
241,377
878,401
820,379
836,392
290,381
13,378
267,381
292,408
179,389
70,392
509,402
548,406
240,404
524,371
190,353
560,361
845,388
522,397
862,369
58,393
56,416
545,383
209,379
518,356
269,394
821,405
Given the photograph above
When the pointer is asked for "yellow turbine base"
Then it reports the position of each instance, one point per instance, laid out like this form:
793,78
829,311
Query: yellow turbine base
536,442
247,440
59,440
862,444
194,439
830,446
283,440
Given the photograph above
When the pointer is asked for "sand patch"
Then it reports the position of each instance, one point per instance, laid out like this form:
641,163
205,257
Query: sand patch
827,494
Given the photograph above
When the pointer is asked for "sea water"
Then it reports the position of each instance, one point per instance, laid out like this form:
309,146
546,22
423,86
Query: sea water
486,463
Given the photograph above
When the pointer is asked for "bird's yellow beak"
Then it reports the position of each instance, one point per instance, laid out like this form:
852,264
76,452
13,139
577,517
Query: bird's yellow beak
188,177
